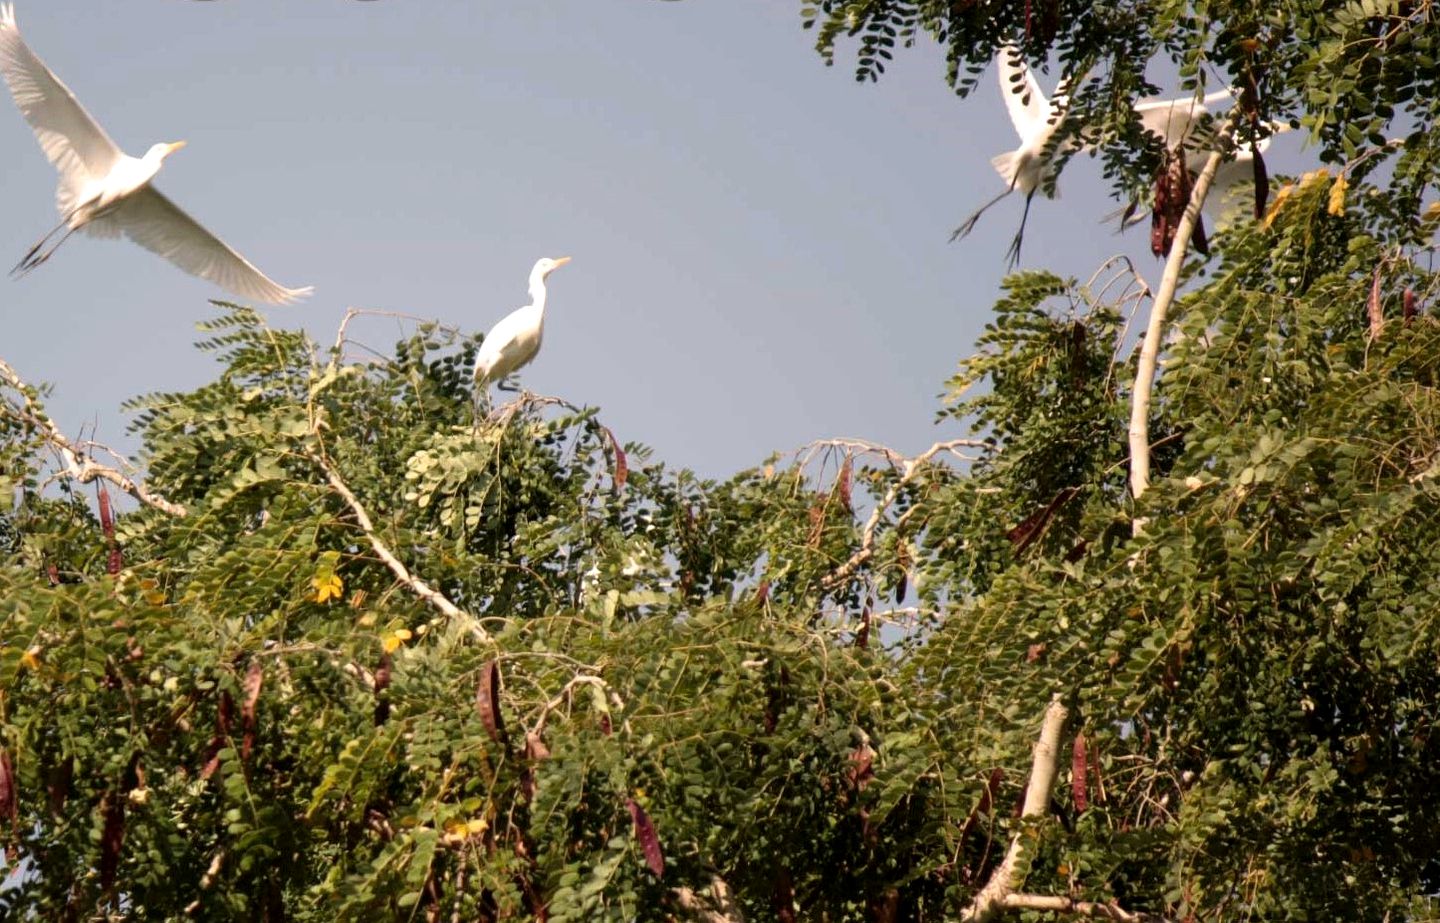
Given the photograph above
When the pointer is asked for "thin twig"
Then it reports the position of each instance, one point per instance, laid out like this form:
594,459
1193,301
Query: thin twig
77,464
909,469
1159,308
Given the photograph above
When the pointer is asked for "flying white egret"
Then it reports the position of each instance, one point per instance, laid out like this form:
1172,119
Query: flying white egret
515,340
1030,166
105,192
1185,121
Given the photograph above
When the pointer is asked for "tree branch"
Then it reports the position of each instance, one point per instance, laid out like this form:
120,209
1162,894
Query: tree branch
1092,909
1155,332
715,905
75,462
417,586
909,469
991,899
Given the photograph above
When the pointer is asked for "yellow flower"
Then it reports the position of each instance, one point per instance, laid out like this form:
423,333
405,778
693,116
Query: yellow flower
396,638
327,587
1336,205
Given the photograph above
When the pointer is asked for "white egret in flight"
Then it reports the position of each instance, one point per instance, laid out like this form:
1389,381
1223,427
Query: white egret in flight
105,192
1030,166
515,340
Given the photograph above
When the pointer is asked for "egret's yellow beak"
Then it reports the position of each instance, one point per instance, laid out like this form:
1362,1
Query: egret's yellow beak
561,261
173,146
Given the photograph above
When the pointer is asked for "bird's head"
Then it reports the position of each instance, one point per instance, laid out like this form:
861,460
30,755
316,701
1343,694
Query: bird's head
163,150
543,267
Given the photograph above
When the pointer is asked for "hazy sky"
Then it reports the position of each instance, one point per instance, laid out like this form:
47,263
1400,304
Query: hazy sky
760,243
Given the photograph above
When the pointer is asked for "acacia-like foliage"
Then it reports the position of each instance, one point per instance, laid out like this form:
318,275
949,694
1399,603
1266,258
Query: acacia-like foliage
385,654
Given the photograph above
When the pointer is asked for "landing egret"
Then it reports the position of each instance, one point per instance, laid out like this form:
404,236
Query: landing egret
515,340
1030,166
1185,122
105,192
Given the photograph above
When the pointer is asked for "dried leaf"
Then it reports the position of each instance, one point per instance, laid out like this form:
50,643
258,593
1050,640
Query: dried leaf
382,682
107,517
622,466
649,840
762,593
1409,308
9,791
862,767
1034,652
782,899
57,783
1095,773
1262,180
862,634
487,702
254,677
224,720
1079,783
1373,307
112,836
842,482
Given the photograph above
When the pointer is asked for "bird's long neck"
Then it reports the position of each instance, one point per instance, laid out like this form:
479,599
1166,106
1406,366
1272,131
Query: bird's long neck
537,293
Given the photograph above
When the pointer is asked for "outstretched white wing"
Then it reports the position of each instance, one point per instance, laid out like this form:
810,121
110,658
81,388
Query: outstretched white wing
75,144
1029,109
157,224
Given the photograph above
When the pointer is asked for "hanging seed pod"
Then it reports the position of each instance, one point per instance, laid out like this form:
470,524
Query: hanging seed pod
487,702
382,682
254,677
649,839
1079,781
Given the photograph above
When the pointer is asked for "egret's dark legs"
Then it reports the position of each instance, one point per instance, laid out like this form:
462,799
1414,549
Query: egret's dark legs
968,224
1013,254
34,256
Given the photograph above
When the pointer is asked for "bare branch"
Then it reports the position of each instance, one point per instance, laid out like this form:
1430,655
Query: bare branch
75,461
991,899
560,698
1092,909
909,469
714,905
417,586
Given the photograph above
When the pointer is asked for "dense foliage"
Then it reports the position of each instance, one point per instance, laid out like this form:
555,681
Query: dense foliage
407,657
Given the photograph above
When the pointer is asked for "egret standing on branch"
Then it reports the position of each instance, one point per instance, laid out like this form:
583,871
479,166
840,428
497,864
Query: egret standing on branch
105,192
1030,166
514,341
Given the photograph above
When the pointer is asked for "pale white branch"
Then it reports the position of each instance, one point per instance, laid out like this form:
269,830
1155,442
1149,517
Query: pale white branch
75,461
991,898
909,469
1159,308
416,585
1095,910
713,905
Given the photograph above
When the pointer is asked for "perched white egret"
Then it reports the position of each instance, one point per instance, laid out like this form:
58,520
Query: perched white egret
515,340
105,192
1031,166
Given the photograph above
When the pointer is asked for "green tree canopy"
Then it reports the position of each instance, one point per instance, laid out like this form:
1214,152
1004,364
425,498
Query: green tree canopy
355,647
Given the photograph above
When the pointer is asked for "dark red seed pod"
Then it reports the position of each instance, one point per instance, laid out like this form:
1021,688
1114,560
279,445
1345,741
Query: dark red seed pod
254,677
649,839
487,702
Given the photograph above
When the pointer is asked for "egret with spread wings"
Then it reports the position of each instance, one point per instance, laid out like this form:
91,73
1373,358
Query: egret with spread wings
105,192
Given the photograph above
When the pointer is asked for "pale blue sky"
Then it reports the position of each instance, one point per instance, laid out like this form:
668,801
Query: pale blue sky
760,243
